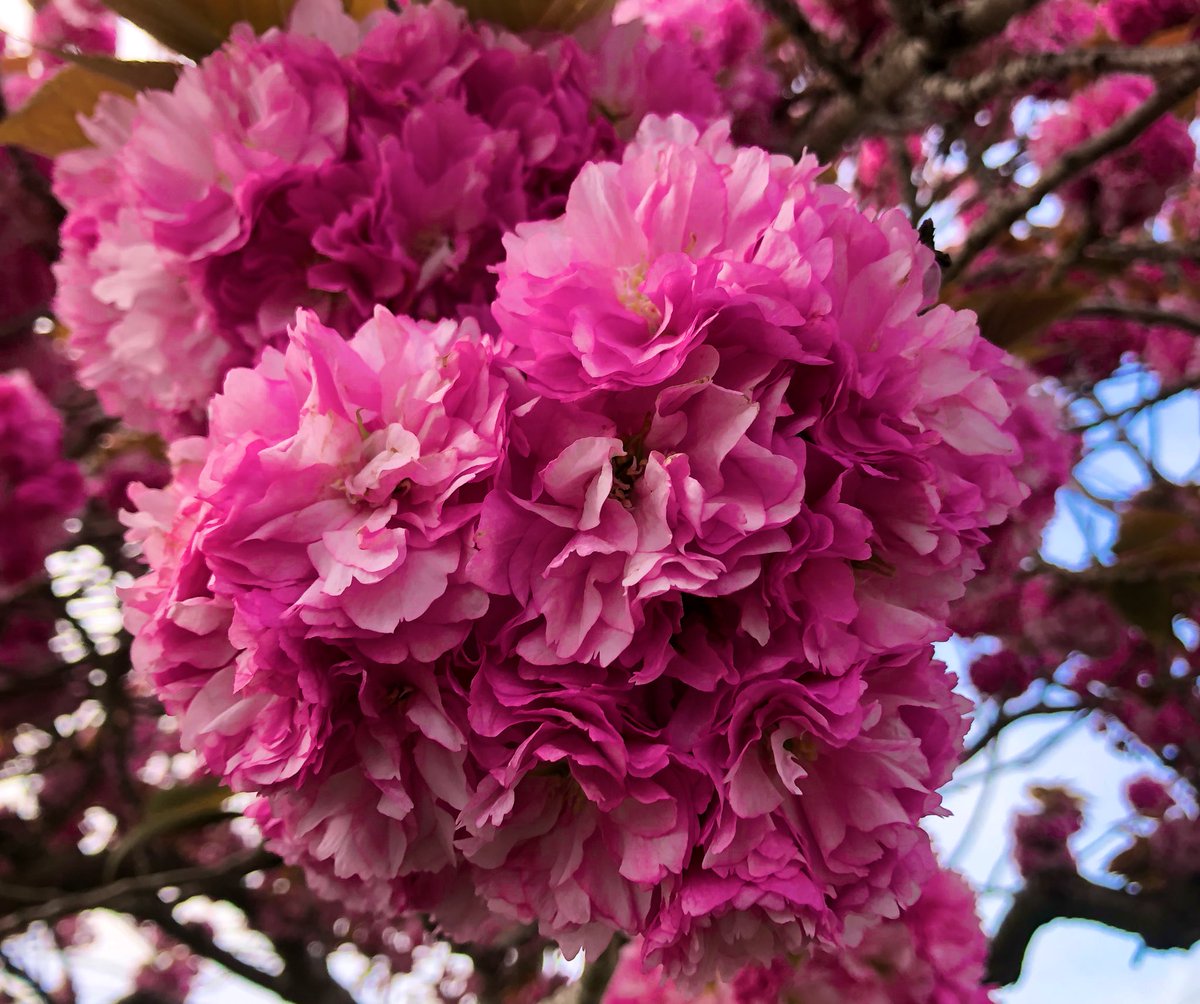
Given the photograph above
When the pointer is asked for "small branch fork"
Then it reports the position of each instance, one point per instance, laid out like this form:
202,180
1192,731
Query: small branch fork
1004,719
1165,394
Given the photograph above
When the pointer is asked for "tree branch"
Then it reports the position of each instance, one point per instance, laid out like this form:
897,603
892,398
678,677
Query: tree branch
1157,251
913,16
1075,161
1016,74
112,893
1141,314
308,980
1164,918
1003,720
199,942
1165,394
979,20
900,65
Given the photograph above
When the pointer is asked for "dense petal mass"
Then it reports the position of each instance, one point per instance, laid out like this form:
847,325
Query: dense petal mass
932,954
1049,452
1133,21
741,397
329,166
730,42
620,621
750,471
308,593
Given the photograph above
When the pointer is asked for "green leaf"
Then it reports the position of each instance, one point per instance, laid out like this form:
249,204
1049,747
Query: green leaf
48,123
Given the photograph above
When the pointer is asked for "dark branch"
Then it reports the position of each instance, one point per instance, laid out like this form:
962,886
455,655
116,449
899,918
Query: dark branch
1163,919
1165,394
201,943
913,16
1141,314
112,894
980,20
1003,720
1017,74
308,980
896,72
1158,251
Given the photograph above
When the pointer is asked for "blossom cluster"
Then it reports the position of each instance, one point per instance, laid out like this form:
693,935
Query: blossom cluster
1043,836
614,616
1150,694
39,487
332,166
932,954
563,499
27,246
730,41
1049,453
1133,21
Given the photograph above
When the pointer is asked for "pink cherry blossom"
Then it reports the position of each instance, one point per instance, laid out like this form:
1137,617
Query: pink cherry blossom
1133,21
933,954
307,595
730,42
621,622
366,165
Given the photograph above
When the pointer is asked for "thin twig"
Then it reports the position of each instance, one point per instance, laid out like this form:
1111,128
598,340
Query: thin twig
1165,394
978,811
1030,756
1003,720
